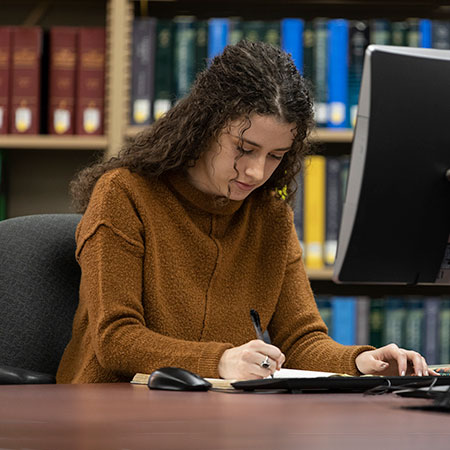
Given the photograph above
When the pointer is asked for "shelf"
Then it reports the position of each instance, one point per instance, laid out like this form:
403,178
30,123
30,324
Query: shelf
320,274
54,142
343,135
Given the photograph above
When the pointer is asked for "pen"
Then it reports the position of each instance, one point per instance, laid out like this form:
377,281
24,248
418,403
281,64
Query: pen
257,325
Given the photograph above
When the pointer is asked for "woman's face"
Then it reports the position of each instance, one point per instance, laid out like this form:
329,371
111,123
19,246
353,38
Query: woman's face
223,171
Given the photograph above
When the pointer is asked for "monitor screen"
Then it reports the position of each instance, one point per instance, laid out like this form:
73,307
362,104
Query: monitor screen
395,225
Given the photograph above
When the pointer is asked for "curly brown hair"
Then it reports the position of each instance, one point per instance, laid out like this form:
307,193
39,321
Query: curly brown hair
247,78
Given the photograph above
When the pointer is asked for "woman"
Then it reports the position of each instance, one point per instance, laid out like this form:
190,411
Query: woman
189,229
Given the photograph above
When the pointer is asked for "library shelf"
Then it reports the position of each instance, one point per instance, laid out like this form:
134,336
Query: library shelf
54,142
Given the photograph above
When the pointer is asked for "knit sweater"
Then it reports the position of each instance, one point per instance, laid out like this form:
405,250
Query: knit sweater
169,275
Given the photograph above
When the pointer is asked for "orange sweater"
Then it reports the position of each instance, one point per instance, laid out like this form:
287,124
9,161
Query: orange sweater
169,277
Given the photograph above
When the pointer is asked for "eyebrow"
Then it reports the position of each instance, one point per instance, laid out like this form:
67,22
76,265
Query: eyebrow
259,146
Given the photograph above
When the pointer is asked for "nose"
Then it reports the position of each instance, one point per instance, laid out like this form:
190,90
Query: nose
255,169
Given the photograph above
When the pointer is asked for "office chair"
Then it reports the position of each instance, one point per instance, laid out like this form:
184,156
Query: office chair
39,280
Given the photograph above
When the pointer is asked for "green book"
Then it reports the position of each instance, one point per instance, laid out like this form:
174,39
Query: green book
399,35
394,320
413,33
272,33
325,310
163,68
235,31
308,50
184,55
380,32
201,50
444,332
414,324
254,30
376,321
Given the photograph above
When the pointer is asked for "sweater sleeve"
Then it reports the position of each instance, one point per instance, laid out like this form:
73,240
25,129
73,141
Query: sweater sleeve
299,331
110,253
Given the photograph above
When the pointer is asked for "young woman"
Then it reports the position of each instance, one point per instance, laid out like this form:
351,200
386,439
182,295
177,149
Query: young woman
190,228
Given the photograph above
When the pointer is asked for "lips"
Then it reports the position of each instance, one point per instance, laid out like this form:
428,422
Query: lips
244,186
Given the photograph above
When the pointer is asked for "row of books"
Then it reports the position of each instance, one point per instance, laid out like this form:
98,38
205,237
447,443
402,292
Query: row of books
318,208
167,55
415,323
52,82
2,186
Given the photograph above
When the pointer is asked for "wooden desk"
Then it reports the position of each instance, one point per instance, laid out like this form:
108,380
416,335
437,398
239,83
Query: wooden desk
124,416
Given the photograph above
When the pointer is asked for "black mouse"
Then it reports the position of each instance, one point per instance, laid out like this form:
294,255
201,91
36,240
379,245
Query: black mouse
176,379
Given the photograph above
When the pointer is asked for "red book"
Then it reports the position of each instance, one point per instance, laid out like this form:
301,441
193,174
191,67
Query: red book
26,80
63,53
5,68
90,81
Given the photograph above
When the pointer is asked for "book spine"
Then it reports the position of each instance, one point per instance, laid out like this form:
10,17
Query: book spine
89,116
299,208
425,33
184,62
376,322
218,34
253,30
320,65
292,40
308,50
235,32
394,319
444,332
440,34
201,46
325,310
413,33
414,325
163,68
314,212
362,321
143,63
380,32
272,33
431,344
358,42
5,70
337,78
63,56
26,80
399,36
332,209
344,320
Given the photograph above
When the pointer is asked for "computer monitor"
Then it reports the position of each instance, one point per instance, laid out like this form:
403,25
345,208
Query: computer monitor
395,225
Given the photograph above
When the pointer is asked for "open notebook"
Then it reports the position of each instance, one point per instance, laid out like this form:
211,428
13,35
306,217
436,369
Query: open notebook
219,383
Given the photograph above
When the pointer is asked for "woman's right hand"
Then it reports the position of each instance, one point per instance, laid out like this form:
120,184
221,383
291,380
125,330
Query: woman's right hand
244,362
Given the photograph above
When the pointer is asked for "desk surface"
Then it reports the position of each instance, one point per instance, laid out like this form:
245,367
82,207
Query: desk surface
125,416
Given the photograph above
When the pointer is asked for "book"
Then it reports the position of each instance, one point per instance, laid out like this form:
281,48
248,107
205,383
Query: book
326,312
337,77
362,314
431,341
380,32
201,46
332,208
272,33
399,33
314,211
425,33
142,70
5,78
344,320
27,43
89,110
320,71
253,30
218,34
413,33
163,68
292,40
440,34
376,322
235,31
184,55
358,42
308,50
299,209
61,87
444,331
414,324
394,320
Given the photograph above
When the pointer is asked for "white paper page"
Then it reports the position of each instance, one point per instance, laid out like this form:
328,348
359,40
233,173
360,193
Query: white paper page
294,373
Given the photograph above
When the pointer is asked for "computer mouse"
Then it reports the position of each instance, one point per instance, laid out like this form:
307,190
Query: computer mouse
176,379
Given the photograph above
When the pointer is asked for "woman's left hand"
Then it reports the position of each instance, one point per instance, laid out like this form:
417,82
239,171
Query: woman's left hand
391,360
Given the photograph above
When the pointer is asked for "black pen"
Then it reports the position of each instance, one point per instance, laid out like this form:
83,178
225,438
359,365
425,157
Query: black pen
257,325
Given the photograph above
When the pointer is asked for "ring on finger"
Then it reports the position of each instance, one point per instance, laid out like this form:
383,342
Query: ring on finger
266,363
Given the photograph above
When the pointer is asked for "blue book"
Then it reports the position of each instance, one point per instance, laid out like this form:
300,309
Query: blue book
292,40
425,33
344,320
337,73
217,36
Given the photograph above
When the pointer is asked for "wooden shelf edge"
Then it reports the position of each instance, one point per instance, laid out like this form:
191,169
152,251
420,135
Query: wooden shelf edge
54,142
320,274
344,135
